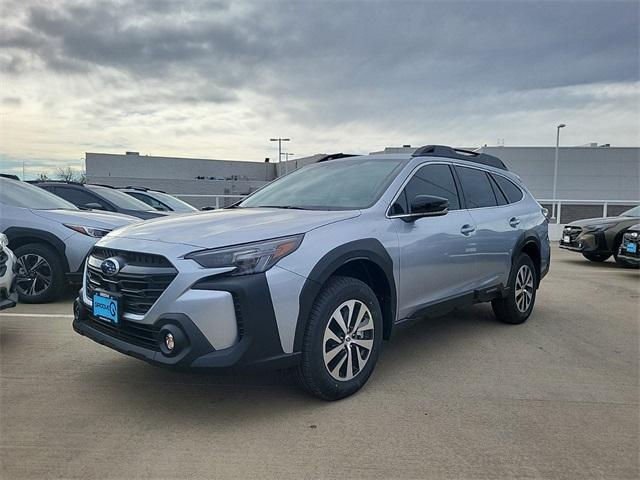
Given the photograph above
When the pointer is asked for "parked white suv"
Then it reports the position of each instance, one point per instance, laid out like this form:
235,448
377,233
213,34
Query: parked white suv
8,294
315,269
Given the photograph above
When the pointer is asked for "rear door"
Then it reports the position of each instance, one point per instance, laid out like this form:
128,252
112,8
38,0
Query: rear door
434,256
497,229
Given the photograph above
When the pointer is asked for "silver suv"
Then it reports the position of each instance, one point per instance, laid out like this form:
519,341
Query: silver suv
50,238
315,269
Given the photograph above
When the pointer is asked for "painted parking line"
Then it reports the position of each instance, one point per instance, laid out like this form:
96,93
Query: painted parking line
42,315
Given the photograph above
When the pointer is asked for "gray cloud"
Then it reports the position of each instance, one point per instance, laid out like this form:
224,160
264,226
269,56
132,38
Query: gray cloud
391,65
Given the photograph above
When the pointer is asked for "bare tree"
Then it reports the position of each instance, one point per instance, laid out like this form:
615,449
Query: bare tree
43,177
67,174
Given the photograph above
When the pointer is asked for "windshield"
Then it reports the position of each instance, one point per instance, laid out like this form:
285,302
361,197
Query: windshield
334,185
119,199
632,212
174,203
20,194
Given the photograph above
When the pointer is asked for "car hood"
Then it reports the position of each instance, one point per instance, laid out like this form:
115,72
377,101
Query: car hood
600,221
105,220
220,228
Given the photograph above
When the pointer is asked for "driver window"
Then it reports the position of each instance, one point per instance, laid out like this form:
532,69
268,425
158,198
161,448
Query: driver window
436,180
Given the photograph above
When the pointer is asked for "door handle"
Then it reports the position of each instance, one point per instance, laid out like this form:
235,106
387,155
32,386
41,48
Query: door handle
514,222
467,229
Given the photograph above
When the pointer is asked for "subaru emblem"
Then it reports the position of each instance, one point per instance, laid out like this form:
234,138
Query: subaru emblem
110,267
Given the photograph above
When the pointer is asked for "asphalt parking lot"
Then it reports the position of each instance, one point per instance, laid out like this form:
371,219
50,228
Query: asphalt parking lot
462,396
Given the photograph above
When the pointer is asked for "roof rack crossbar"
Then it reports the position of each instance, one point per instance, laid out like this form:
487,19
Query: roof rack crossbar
459,154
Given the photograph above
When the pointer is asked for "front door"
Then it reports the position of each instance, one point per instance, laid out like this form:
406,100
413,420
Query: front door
436,253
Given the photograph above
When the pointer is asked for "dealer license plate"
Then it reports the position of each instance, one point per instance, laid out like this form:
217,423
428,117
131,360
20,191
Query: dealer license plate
106,307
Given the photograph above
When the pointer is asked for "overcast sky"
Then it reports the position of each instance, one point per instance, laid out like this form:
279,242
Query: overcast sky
217,79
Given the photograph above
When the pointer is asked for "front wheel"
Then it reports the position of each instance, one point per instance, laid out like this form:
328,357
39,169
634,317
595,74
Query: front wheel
596,257
40,276
342,339
516,307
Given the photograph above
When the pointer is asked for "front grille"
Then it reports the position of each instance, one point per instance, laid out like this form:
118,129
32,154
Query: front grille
139,290
139,259
139,334
573,233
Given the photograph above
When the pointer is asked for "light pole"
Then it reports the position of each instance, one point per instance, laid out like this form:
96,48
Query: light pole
555,171
286,161
280,140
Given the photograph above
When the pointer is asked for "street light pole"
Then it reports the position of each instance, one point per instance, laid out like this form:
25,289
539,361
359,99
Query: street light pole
279,140
555,172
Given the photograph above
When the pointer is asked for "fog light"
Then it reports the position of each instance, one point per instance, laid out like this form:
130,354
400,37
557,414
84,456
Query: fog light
169,341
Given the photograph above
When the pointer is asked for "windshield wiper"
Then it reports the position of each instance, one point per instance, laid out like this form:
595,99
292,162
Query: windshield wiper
288,207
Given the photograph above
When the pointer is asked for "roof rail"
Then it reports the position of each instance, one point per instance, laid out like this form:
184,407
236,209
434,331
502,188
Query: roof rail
459,154
141,189
335,156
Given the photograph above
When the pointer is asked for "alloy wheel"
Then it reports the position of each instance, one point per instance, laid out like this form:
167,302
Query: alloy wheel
34,274
524,288
348,340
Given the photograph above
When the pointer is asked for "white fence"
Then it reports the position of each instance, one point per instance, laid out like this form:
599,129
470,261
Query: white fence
556,206
217,201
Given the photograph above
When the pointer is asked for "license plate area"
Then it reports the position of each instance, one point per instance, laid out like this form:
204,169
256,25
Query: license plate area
107,307
566,239
632,247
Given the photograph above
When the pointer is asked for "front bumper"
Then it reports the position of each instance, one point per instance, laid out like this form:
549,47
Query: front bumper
8,299
8,292
258,342
626,255
587,242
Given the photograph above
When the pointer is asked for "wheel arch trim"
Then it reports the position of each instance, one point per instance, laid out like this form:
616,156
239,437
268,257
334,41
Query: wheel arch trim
368,249
33,235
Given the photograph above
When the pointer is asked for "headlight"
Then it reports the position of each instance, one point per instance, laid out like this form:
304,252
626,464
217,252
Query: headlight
4,241
88,231
249,257
598,228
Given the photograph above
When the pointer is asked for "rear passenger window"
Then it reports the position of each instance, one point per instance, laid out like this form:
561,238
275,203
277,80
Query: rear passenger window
511,191
476,187
500,197
436,180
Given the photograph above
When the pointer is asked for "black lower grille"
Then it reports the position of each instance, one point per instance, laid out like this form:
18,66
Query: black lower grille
140,285
145,336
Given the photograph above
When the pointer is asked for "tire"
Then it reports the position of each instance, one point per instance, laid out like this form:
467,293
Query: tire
327,346
517,306
40,274
596,257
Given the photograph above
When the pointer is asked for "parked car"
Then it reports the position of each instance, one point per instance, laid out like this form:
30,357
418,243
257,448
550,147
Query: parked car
314,270
50,238
100,197
8,294
629,248
599,238
158,200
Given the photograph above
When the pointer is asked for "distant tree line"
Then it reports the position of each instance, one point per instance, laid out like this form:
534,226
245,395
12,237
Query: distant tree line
65,174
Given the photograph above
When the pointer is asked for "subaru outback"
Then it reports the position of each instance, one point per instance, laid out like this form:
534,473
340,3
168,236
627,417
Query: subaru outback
314,270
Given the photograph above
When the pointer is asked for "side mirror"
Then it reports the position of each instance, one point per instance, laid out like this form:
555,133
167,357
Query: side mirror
93,206
428,206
